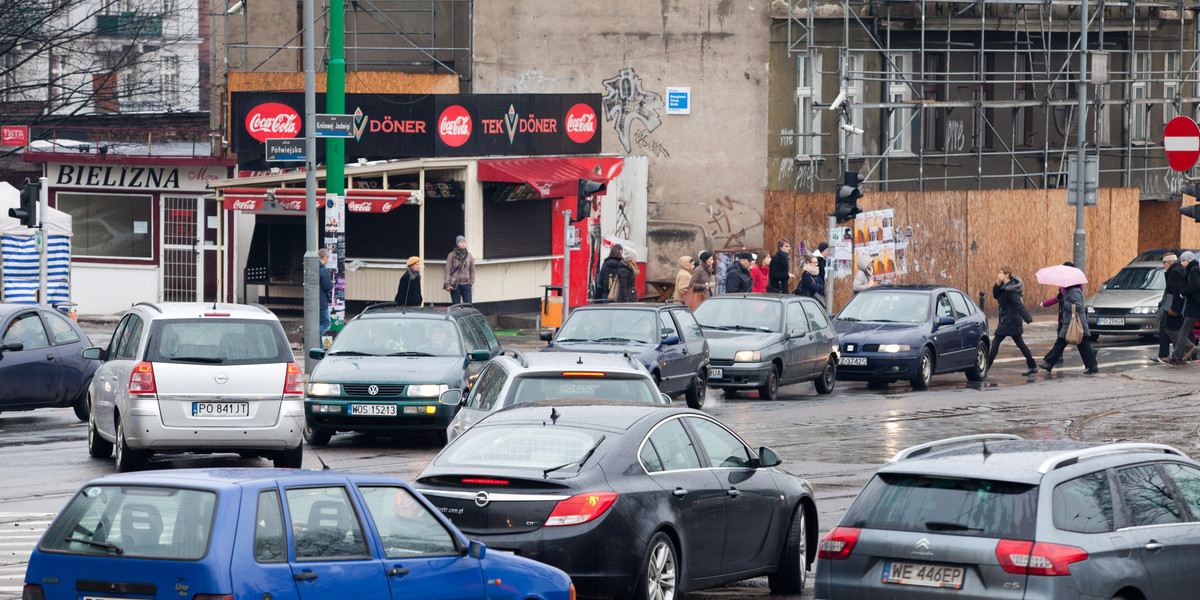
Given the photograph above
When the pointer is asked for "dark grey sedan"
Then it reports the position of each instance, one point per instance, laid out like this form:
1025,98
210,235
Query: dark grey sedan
762,341
41,360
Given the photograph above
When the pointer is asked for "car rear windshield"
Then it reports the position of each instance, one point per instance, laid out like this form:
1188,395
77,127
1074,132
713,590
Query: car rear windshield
610,325
564,387
739,313
521,446
1138,279
218,340
887,307
124,521
949,505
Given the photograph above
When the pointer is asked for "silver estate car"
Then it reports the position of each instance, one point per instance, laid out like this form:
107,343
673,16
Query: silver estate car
995,516
1128,303
192,377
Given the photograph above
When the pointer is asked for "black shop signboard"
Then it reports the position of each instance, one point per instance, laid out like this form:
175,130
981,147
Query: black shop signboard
415,126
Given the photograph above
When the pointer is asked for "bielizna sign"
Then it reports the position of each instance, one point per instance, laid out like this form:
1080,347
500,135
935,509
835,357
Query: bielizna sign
134,177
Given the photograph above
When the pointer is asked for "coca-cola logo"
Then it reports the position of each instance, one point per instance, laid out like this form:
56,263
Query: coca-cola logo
581,123
297,204
272,120
454,126
246,204
364,206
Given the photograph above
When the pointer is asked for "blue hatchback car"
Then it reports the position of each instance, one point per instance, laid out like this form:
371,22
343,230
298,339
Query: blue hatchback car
911,332
250,534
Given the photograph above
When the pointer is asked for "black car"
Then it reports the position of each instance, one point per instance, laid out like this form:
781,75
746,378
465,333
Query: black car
762,341
664,337
631,500
388,366
41,360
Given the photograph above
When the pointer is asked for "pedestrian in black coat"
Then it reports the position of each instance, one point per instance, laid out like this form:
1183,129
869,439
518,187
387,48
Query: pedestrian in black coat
408,292
1170,312
778,274
1184,347
737,278
1008,291
626,279
607,273
811,284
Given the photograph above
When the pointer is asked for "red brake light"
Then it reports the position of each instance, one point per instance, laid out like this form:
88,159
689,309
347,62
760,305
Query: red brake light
582,374
838,543
293,382
32,591
141,380
1037,558
485,481
216,314
580,508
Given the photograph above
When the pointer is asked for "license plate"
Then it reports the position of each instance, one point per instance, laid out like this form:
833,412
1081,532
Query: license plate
715,373
373,410
940,576
220,409
854,361
1117,321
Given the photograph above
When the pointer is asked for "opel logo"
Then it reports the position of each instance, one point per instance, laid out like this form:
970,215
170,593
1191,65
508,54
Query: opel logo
482,499
220,377
922,544
373,389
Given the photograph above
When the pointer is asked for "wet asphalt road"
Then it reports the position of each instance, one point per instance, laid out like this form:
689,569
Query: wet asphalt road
835,441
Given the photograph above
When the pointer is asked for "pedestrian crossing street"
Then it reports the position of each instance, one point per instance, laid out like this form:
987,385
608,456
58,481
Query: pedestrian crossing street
19,533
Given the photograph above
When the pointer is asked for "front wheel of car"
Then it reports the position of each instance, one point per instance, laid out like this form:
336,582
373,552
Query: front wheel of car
695,393
82,406
924,371
770,389
828,378
98,447
128,459
660,570
793,560
979,370
289,459
316,437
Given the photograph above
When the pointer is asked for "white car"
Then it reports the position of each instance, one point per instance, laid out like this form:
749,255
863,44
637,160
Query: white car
196,377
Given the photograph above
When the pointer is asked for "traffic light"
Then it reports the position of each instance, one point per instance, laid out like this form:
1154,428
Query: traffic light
1193,211
846,195
27,212
587,189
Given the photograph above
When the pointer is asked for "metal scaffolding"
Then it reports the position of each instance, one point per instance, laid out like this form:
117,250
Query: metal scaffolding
1007,72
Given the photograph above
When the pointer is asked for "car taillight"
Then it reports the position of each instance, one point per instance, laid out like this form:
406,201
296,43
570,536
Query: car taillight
33,591
1037,558
141,380
580,508
293,382
476,481
838,543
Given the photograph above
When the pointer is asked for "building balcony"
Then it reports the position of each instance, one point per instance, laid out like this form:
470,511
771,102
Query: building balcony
129,25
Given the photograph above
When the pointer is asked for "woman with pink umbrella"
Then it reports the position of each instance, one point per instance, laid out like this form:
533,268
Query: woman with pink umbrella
1070,281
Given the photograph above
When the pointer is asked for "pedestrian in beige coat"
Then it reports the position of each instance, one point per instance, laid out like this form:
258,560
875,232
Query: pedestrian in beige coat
683,278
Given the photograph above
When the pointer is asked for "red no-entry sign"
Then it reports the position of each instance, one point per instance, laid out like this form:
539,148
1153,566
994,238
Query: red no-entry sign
1181,140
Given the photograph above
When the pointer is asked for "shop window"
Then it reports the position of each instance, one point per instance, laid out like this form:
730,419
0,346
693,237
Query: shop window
394,235
515,228
110,226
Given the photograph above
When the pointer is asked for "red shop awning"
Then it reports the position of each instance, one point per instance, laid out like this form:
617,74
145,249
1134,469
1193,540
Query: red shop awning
552,177
359,201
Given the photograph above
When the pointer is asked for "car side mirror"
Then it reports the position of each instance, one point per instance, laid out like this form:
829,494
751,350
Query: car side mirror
451,397
768,458
943,321
670,340
88,353
476,550
316,353
477,355
15,346
546,336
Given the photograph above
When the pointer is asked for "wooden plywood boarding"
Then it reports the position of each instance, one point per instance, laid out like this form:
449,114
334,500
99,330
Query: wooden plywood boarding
1158,225
1189,232
779,208
357,82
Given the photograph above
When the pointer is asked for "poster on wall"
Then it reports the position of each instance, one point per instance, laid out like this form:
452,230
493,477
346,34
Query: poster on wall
841,261
335,242
875,242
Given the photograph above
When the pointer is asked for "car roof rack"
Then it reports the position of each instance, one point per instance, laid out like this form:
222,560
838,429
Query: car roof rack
460,305
378,305
150,304
517,354
632,360
1067,459
920,449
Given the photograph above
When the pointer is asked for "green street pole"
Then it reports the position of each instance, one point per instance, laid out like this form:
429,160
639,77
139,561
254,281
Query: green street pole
335,98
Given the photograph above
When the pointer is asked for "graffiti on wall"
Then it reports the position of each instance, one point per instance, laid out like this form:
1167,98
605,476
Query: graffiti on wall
724,214
625,101
955,137
802,175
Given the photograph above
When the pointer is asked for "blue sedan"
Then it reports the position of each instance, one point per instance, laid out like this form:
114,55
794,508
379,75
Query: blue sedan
891,333
41,360
250,534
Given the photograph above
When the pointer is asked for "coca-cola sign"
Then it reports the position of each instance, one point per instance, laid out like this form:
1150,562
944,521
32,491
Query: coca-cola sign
581,123
251,204
272,120
454,126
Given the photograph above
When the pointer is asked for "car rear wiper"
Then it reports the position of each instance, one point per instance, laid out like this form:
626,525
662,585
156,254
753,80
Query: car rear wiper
947,526
105,545
351,353
586,455
199,359
410,353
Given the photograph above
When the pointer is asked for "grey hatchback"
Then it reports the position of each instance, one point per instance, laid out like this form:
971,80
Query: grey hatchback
996,516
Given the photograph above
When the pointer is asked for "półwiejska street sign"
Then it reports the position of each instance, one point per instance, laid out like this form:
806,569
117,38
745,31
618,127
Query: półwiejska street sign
282,149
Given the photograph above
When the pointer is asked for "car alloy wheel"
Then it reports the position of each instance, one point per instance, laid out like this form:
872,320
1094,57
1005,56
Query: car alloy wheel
128,459
793,560
660,569
98,447
924,371
979,370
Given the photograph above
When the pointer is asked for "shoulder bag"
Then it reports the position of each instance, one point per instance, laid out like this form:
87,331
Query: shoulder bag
1074,329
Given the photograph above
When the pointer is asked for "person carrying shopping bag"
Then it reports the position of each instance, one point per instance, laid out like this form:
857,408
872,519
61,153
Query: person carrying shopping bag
1072,316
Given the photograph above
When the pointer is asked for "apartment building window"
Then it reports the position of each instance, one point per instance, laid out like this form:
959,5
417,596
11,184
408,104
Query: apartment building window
57,72
1104,113
1139,126
981,93
1022,118
900,92
933,121
855,93
1170,86
10,61
808,91
170,82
